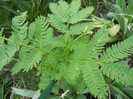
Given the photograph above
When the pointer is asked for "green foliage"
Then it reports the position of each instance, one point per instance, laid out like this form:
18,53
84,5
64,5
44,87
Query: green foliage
69,15
1,40
123,14
121,90
6,54
19,27
25,93
118,51
91,74
118,72
62,48
3,86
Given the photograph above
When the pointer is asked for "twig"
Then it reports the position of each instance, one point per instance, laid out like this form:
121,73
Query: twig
63,95
109,92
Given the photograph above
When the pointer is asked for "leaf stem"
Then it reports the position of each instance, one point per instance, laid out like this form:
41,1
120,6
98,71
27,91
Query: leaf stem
16,59
67,34
76,61
73,43
30,47
121,35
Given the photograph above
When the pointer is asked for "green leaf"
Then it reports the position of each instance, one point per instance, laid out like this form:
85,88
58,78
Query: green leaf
1,91
125,26
57,24
81,97
97,42
81,42
73,70
129,10
118,51
81,28
94,80
119,91
74,7
41,27
121,3
31,30
118,9
114,15
36,95
1,31
23,92
64,5
80,87
1,42
47,91
60,10
33,56
9,8
19,27
6,54
118,72
82,14
128,90
45,78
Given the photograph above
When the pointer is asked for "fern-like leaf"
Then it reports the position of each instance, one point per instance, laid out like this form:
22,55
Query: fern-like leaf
41,26
53,41
80,87
117,72
97,42
118,51
56,41
82,14
73,70
94,80
57,24
19,34
81,28
19,27
47,73
45,79
60,10
6,54
30,60
80,53
63,5
23,51
31,30
63,72
34,58
80,48
17,67
74,7
81,42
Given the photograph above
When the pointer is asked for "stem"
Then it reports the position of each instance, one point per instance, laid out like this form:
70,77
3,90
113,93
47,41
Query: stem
23,83
67,36
109,92
63,95
16,59
121,35
76,61
31,47
122,14
67,33
73,43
